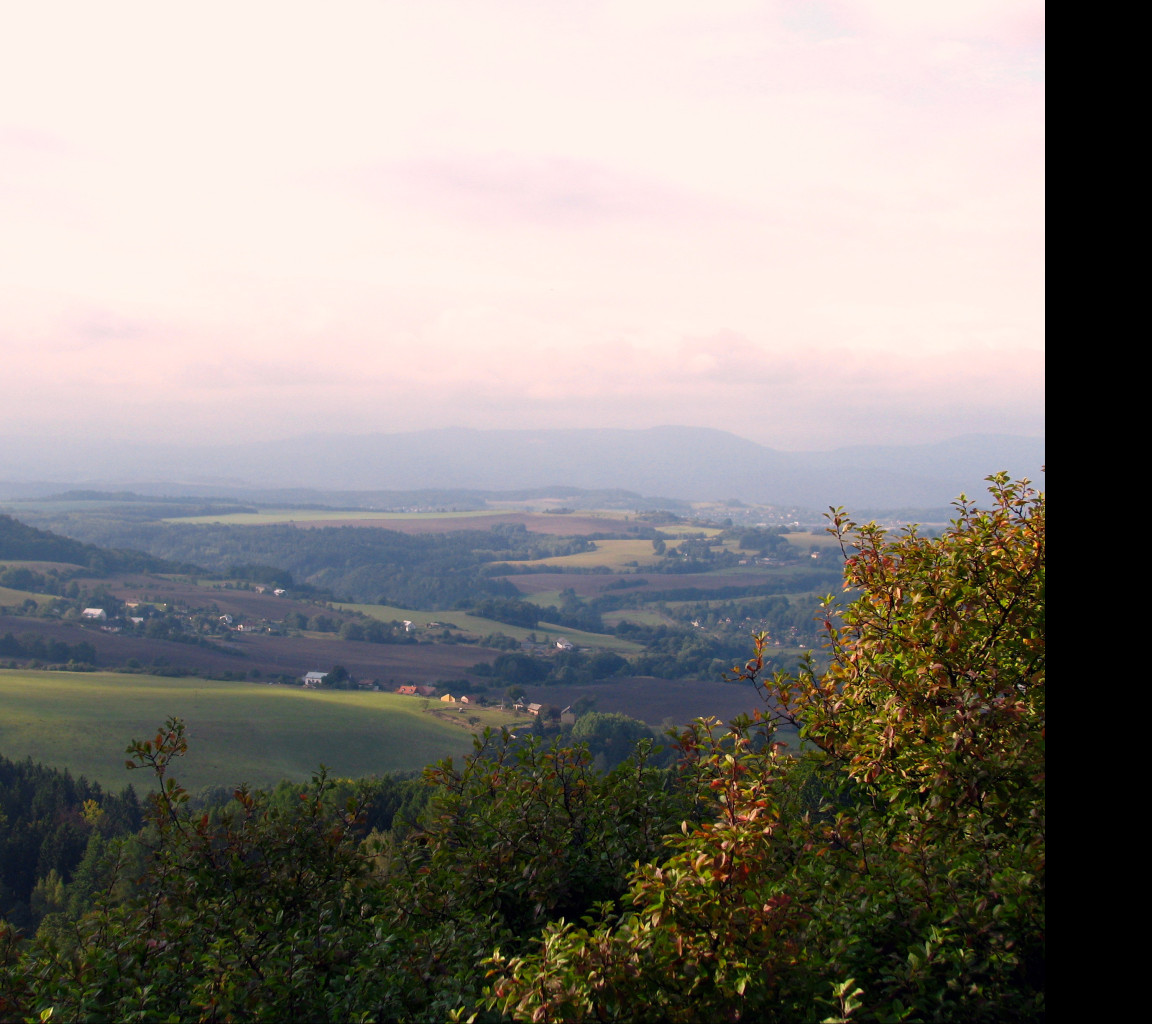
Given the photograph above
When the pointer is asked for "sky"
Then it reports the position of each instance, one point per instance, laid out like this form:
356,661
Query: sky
812,223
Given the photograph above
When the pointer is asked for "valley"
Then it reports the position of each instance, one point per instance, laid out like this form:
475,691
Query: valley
634,613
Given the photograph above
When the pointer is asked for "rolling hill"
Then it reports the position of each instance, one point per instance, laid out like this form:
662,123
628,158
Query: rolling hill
674,463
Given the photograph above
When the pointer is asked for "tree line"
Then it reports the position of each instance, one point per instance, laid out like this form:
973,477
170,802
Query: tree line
29,645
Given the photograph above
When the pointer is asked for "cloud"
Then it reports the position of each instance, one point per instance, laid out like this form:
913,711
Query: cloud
806,219
792,400
504,189
1016,21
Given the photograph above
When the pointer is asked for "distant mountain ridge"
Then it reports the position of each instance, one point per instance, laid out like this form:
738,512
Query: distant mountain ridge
685,463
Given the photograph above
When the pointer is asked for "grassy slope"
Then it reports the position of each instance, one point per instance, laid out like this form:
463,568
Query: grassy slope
16,597
240,732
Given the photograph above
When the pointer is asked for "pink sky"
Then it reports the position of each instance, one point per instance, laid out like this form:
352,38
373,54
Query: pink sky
810,223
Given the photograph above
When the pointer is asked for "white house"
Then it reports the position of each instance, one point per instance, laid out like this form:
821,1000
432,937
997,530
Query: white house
315,678
94,613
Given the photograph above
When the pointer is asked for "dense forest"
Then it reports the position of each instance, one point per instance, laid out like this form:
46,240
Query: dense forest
21,541
893,871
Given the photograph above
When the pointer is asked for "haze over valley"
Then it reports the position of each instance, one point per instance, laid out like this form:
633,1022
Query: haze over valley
679,463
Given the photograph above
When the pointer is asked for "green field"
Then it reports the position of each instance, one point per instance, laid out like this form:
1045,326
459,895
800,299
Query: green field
639,616
17,597
37,566
690,531
240,732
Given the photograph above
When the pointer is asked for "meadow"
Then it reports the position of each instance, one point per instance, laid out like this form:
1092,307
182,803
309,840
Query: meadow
240,732
614,555
8,596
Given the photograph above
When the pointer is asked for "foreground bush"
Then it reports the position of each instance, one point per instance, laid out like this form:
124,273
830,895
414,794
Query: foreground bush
268,911
896,873
254,915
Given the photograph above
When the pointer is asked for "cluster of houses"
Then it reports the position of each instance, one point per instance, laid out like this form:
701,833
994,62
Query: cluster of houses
100,615
412,690
312,680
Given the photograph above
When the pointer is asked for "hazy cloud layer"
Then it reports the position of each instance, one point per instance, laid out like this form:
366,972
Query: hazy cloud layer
811,224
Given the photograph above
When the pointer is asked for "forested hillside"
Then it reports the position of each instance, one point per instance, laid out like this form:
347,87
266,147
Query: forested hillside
18,541
378,565
894,871
677,596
